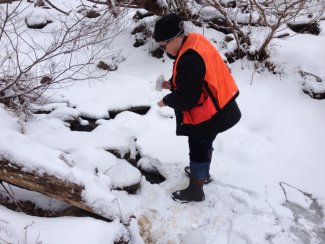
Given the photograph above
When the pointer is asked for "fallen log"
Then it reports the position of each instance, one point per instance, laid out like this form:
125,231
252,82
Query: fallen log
49,185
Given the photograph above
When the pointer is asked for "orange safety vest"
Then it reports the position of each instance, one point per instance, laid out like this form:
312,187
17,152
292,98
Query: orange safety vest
218,77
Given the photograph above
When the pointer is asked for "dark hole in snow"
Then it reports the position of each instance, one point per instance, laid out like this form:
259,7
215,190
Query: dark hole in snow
314,94
140,15
153,177
38,25
126,156
311,28
141,110
90,125
27,207
139,43
42,111
91,14
83,123
31,209
219,24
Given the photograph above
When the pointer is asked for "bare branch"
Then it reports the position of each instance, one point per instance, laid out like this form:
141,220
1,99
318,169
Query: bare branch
99,2
29,67
55,7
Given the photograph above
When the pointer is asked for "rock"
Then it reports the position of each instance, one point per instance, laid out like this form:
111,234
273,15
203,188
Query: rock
88,12
157,53
142,33
39,3
219,24
140,40
37,19
139,28
105,66
229,38
231,4
46,80
92,14
313,85
141,14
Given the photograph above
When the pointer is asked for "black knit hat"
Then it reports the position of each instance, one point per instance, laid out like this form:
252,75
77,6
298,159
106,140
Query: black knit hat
167,27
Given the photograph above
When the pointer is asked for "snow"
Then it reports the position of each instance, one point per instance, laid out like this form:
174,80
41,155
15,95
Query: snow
8,120
280,138
17,226
37,17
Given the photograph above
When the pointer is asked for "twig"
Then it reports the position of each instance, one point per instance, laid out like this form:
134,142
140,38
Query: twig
26,227
110,168
118,204
251,83
22,70
4,241
309,195
12,198
55,7
99,2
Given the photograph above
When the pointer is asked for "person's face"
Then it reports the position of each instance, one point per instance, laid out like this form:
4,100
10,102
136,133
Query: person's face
163,45
169,46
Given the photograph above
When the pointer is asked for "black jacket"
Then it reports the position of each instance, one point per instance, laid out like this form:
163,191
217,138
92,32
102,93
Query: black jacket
190,82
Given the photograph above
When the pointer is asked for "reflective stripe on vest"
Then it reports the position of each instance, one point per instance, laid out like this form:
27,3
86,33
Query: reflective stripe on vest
217,75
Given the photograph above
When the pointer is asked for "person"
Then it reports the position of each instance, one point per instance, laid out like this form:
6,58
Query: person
203,94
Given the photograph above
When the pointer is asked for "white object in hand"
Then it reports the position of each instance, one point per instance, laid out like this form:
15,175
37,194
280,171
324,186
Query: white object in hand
159,82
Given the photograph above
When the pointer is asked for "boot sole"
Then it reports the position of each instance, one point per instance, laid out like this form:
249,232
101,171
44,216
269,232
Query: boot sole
182,201
188,174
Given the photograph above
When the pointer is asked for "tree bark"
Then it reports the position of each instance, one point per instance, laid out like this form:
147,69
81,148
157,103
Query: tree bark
48,185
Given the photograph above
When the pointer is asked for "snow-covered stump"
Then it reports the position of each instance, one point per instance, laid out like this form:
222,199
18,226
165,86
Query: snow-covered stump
51,186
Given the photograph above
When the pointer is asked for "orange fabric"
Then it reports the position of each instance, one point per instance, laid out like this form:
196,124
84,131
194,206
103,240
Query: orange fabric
217,75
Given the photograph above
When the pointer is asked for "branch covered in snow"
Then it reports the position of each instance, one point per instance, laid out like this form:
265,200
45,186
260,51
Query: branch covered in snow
244,18
67,49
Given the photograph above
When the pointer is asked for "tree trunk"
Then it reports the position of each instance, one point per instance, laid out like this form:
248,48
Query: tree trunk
48,185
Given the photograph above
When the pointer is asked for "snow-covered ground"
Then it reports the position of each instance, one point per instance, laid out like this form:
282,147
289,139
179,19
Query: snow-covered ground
268,171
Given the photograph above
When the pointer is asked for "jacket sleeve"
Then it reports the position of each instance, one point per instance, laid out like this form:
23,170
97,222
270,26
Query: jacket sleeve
189,82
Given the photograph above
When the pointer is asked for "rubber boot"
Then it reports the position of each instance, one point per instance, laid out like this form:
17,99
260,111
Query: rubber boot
193,193
188,173
196,166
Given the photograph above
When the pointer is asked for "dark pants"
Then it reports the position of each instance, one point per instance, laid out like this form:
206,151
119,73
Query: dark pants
200,155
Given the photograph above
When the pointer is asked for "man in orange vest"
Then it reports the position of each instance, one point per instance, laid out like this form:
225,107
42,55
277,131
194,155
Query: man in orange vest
203,94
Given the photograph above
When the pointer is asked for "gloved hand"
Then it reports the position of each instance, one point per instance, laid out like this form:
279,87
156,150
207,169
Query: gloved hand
166,85
161,83
161,104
